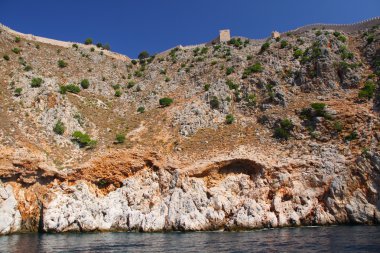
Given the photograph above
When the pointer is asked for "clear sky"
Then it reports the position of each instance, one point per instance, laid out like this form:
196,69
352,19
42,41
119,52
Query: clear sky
156,25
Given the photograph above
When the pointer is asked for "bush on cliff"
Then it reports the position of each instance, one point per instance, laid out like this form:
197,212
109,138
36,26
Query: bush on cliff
59,127
165,101
284,129
83,139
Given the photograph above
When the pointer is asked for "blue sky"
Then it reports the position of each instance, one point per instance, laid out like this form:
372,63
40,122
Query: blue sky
156,25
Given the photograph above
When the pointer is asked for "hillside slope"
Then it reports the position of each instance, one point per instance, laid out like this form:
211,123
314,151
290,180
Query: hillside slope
251,134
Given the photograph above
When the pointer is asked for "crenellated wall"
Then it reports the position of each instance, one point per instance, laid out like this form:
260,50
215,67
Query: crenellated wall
59,43
339,27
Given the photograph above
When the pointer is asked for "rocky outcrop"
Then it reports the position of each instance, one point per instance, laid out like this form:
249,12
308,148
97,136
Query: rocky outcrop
10,218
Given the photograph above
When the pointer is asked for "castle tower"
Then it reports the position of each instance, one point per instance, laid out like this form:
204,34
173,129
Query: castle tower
224,35
276,35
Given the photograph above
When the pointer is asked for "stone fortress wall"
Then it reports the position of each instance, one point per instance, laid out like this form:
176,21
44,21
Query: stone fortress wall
223,36
339,27
59,43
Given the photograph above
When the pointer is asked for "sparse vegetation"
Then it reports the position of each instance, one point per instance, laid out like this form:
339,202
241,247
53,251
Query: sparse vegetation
118,93
141,109
206,87
59,127
36,82
143,55
62,64
298,53
368,91
315,110
72,88
283,131
229,71
352,136
214,102
232,85
255,68
85,83
17,39
16,50
230,119
284,43
88,41
18,92
165,101
6,57
27,68
120,138
83,140
265,46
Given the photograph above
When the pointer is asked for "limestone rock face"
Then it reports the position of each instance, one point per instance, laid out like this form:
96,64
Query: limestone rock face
10,218
157,200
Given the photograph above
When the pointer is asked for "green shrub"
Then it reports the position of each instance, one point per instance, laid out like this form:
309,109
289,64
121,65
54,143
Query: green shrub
336,34
72,88
338,126
17,39
99,45
345,54
75,46
249,57
59,127
284,43
230,119
83,139
214,102
16,50
236,42
62,64
141,109
265,46
255,68
120,138
167,79
342,38
138,73
106,46
36,82
118,93
368,90
297,53
352,136
92,49
232,85
18,92
143,55
229,71
27,68
370,39
88,41
317,33
165,101
206,87
283,131
85,83
204,50
319,109
251,100
6,57
130,84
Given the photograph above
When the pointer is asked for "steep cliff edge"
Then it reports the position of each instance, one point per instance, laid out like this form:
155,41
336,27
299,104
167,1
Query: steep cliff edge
236,135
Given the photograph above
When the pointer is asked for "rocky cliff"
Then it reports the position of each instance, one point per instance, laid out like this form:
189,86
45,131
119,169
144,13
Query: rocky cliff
239,135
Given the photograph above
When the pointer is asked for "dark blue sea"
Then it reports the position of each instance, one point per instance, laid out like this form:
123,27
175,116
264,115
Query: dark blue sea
305,239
